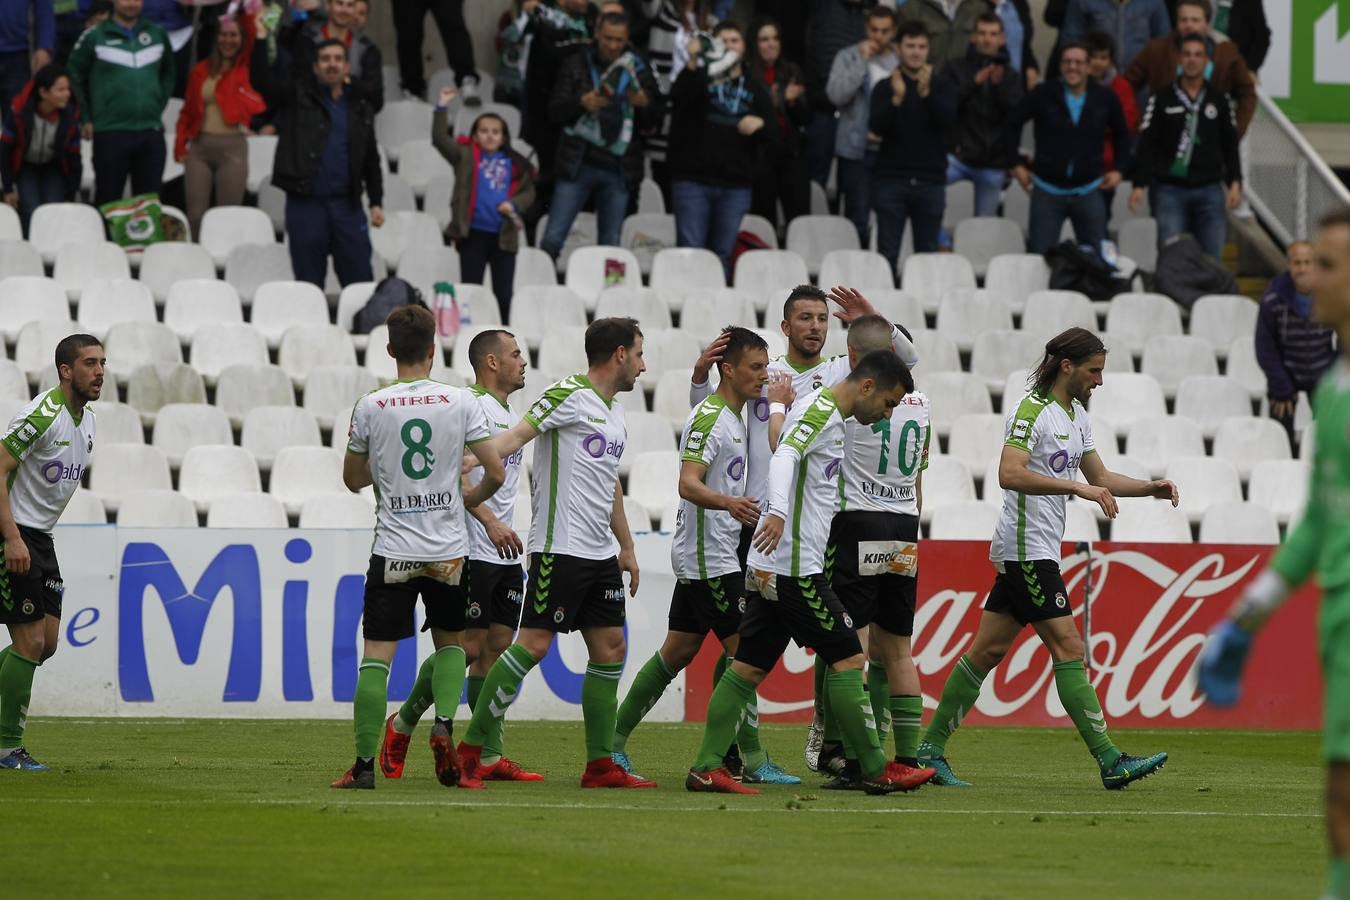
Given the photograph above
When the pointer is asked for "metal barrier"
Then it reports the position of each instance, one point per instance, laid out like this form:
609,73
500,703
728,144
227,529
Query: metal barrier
1287,184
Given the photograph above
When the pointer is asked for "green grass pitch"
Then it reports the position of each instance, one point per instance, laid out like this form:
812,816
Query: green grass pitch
195,809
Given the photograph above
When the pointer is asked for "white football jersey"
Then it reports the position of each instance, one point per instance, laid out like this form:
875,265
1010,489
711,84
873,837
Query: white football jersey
576,465
500,419
814,435
705,540
1031,526
415,433
53,449
882,461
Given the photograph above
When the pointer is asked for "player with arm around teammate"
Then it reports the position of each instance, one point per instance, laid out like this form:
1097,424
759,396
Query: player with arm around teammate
49,444
788,596
408,440
495,581
1047,439
576,581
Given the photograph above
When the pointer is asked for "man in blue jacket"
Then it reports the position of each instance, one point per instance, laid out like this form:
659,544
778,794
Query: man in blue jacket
1132,23
1073,117
19,58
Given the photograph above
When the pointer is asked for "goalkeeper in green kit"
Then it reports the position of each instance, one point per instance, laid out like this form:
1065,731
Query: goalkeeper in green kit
1321,542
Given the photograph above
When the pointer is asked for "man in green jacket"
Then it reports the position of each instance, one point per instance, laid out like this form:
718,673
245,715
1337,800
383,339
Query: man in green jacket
122,70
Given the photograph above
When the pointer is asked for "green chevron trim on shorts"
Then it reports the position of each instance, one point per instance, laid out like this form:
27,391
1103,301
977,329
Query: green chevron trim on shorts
1033,582
543,582
816,602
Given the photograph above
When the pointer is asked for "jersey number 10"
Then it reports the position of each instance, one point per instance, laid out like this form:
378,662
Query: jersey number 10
907,461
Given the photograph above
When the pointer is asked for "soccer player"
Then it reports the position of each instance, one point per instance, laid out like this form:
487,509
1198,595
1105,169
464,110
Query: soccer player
1047,439
806,321
872,559
1320,542
788,596
576,580
495,581
50,442
710,588
408,439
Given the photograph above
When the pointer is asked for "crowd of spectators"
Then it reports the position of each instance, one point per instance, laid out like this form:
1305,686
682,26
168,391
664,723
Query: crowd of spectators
891,100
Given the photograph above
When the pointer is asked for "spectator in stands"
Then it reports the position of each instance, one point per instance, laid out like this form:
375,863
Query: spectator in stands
781,173
175,18
122,94
1157,65
308,29
217,109
988,88
326,155
1244,23
1188,155
950,24
719,118
605,100
20,59
494,186
1072,117
1294,351
513,53
409,20
1018,31
675,23
1131,23
834,25
1102,69
555,31
911,111
41,144
854,72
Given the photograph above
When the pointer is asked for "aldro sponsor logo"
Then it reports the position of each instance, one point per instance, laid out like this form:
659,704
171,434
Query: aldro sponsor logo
56,472
598,446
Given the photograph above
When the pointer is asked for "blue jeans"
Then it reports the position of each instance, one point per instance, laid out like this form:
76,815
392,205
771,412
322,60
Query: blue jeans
988,184
820,133
1197,210
38,185
571,194
15,70
709,216
1048,212
897,200
320,227
855,189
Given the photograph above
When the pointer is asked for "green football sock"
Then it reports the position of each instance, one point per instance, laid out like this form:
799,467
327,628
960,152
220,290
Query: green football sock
849,704
447,680
475,685
752,752
1080,702
16,688
368,706
906,718
879,691
419,699
818,674
500,689
1338,878
726,710
648,685
720,667
830,726
600,706
958,697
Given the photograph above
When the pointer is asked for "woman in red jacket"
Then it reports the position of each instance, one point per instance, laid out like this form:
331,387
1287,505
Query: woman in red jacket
219,103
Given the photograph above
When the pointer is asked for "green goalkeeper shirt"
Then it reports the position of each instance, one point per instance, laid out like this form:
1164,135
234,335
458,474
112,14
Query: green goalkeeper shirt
1321,540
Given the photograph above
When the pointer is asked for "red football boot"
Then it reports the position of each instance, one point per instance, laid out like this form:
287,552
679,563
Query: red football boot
471,768
604,773
393,750
508,770
897,777
353,780
718,781
443,749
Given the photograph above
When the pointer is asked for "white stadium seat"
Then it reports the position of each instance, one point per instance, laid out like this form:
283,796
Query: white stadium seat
928,276
671,398
477,304
1080,524
299,473
246,509
563,354
79,264
1202,482
647,234
650,198
19,258
353,297
899,308
400,122
262,151
976,439
761,228
333,388
156,509
1160,439
24,299
196,303
583,233
947,481
707,311
1239,523
1122,399
118,469
769,272
11,228
436,201
118,423
1281,486
1018,275
280,304
132,344
1138,239
250,266
181,426
812,237
1243,367
35,349
422,265
664,349
592,269
981,238
969,520
645,304
1247,440
654,482
537,310
225,227
167,262
1170,358
338,511
1220,318
401,230
865,270
83,508
646,432
105,303
937,353
419,162
149,388
997,353
966,312
1133,318
305,346
534,266
14,382
682,271
1049,313
267,429
1209,399
210,471
1151,522
224,345
56,224
242,388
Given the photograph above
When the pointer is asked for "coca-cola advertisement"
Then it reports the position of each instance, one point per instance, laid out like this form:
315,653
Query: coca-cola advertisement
1151,607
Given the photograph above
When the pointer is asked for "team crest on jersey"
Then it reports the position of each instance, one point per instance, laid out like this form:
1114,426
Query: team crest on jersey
559,615
475,610
145,38
90,449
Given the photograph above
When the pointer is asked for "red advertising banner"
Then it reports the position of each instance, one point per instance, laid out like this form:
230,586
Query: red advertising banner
1152,605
